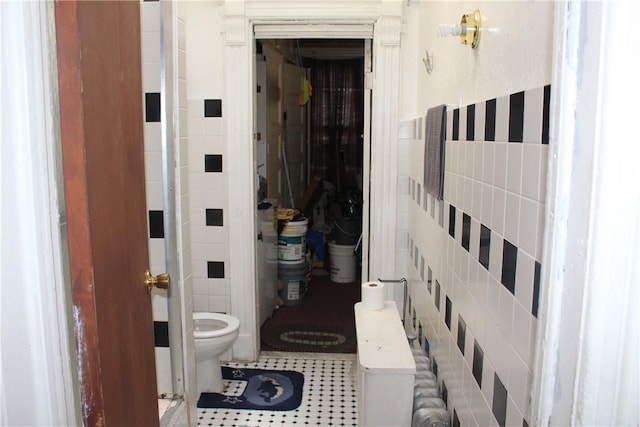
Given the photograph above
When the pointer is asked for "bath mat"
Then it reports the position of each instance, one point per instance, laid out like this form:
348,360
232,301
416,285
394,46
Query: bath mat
308,338
261,390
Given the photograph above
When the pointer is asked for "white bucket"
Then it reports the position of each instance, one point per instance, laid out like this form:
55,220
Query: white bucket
292,242
343,263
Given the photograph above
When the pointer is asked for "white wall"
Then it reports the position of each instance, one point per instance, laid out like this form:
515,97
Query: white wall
514,52
496,183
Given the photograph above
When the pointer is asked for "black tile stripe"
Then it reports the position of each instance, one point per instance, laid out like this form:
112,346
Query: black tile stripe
471,122
516,117
445,393
456,125
214,217
161,333
437,296
215,270
434,368
452,221
429,278
509,262
536,290
499,406
456,420
447,313
156,224
462,333
213,162
545,114
418,193
485,246
466,231
422,268
415,257
490,120
478,362
213,108
152,107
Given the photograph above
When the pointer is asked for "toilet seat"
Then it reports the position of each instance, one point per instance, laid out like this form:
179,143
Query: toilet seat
213,325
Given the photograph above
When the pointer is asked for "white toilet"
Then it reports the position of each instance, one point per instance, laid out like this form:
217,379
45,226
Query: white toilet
214,333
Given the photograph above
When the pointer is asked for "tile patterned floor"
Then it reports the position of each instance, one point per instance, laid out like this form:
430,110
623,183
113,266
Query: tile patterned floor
328,399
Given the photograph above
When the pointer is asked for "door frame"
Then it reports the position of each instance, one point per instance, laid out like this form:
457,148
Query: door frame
332,19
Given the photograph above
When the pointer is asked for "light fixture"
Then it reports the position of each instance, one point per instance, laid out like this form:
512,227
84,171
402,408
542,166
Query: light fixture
471,29
468,29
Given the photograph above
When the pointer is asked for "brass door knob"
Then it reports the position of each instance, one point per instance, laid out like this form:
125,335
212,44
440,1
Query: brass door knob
161,281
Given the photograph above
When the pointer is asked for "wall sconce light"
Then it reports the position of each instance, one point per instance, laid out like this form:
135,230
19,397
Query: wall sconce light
468,29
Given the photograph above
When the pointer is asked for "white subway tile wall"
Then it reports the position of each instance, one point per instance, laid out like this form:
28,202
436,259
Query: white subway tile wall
208,204
474,274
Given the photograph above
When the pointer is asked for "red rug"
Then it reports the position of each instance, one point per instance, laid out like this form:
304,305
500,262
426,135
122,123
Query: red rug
323,323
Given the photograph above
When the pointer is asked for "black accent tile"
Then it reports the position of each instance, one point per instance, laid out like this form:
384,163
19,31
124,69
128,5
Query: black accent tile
215,217
545,114
466,231
434,367
478,362
429,278
509,261
445,394
152,107
485,246
418,193
151,0
420,334
422,268
525,423
438,295
499,406
456,420
490,120
462,333
213,108
414,319
456,124
452,221
536,290
161,334
447,313
215,270
441,214
471,122
516,117
213,162
415,257
156,224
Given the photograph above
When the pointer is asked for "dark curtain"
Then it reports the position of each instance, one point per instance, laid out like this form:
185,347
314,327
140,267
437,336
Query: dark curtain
337,117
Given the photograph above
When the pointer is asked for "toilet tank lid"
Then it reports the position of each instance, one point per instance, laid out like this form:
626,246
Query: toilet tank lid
383,347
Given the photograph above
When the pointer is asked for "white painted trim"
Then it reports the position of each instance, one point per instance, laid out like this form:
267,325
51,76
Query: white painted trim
313,30
35,335
240,18
587,369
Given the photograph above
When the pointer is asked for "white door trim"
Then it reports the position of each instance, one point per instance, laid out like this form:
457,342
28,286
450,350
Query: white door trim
240,19
587,352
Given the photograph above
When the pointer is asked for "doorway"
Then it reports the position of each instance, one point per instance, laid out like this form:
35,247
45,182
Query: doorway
253,22
312,130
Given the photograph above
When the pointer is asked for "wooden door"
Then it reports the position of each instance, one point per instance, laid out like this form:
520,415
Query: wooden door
102,142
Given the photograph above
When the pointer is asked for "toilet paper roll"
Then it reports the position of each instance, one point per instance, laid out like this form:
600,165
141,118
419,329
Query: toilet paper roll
373,296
